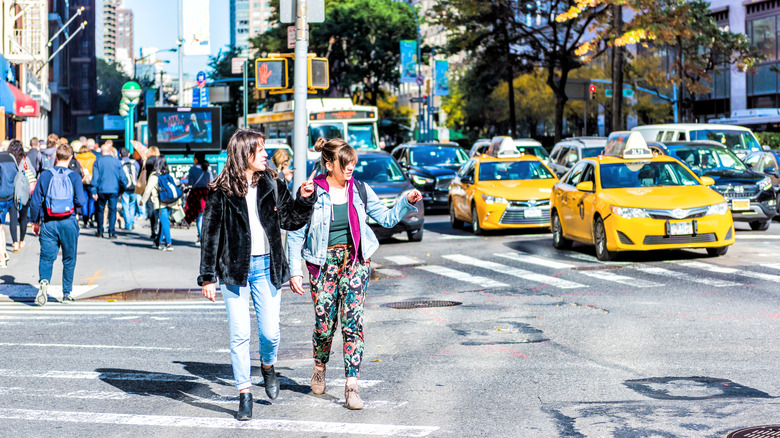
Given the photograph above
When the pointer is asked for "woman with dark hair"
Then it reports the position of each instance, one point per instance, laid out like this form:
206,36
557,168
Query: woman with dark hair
146,170
241,247
163,210
198,179
337,246
19,212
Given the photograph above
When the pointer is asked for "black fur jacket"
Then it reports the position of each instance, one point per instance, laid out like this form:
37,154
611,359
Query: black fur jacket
226,242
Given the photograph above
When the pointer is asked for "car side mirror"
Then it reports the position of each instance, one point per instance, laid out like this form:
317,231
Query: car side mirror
467,180
585,186
707,181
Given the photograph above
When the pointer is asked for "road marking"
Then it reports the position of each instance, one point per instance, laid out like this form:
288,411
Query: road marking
462,276
725,270
515,272
54,290
771,265
757,237
93,278
615,278
403,260
525,258
112,347
319,427
455,236
390,272
38,311
77,306
655,270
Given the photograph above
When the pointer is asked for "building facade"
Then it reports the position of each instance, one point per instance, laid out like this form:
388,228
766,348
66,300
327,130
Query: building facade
124,30
82,65
249,18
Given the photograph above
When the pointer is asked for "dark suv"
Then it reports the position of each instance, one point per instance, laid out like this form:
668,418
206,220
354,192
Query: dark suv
750,194
431,167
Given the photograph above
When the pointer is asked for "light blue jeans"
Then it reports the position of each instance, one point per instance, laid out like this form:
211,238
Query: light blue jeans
129,208
267,302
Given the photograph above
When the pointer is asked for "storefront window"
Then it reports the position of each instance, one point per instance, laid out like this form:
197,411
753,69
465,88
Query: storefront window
764,36
764,81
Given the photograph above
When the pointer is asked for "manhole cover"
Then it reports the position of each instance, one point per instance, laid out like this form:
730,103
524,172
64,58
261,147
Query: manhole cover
419,304
756,432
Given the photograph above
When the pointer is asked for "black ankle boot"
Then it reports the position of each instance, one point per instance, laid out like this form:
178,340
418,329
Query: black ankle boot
270,382
244,406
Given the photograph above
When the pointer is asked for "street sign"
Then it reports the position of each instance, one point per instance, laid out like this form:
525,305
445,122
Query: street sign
420,80
201,79
200,97
319,79
271,73
627,92
237,65
433,109
418,100
608,92
315,11
290,37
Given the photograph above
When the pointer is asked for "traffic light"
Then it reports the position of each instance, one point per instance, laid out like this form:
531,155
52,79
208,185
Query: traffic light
271,73
319,77
592,90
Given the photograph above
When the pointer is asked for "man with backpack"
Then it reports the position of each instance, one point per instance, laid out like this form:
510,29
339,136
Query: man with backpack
8,170
130,199
53,213
108,180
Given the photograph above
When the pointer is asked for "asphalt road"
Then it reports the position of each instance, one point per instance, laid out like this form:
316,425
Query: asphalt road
544,343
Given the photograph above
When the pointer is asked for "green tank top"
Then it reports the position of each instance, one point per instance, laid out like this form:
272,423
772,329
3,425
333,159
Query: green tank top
339,225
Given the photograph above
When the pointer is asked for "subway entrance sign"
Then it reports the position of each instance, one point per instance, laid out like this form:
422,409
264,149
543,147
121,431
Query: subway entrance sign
271,74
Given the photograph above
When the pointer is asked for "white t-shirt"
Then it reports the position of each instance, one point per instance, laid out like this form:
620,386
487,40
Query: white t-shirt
260,243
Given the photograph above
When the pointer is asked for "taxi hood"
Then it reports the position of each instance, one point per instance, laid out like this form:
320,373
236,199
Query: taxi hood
662,197
518,189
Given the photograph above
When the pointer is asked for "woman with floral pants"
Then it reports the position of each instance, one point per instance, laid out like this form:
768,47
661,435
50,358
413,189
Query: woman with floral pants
337,245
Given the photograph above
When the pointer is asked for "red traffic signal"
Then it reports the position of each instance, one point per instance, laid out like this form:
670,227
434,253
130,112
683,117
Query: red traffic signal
592,88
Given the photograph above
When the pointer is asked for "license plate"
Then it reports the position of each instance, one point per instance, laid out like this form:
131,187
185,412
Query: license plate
681,228
533,212
740,204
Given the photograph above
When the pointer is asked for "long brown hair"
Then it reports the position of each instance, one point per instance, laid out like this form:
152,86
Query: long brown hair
334,150
240,152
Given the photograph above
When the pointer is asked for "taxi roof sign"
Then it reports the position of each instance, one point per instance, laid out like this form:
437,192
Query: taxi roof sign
627,145
503,146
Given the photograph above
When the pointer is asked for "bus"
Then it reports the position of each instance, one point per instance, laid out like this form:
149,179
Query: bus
327,118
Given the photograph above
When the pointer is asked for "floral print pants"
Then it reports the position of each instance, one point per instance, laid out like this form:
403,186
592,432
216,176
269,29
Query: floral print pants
340,290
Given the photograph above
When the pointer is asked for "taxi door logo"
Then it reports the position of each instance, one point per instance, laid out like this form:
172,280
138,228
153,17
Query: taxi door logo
581,206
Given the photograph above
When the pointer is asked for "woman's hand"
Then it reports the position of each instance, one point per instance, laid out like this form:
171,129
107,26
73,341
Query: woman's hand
209,291
413,196
307,188
296,284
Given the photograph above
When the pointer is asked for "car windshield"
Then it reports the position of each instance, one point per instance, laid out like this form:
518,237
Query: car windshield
361,135
645,174
733,139
537,151
378,170
592,152
437,156
513,170
705,159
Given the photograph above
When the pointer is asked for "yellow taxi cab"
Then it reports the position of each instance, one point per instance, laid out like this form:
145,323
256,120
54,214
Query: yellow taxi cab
511,190
629,199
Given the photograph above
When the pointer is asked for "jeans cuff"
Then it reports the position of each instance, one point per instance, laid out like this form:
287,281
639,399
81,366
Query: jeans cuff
243,385
270,362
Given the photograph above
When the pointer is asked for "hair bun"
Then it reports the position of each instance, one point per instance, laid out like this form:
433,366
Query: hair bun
319,144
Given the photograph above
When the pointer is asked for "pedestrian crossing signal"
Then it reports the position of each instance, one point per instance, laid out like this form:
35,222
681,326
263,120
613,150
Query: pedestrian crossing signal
319,77
271,74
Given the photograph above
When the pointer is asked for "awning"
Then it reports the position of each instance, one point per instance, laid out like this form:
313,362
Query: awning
16,102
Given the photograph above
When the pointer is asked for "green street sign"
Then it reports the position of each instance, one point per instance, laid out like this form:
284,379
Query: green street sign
627,92
608,92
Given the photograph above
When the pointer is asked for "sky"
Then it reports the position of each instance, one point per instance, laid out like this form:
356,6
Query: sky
156,26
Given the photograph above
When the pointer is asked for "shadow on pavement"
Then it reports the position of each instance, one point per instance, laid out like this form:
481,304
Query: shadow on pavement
17,292
662,255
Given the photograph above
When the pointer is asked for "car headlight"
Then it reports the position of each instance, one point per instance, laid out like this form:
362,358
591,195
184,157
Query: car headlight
765,184
494,200
721,208
628,212
421,180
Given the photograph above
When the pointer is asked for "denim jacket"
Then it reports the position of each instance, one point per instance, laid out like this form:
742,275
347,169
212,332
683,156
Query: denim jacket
311,242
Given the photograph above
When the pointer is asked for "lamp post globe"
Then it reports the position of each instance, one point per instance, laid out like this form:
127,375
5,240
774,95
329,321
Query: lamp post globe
131,90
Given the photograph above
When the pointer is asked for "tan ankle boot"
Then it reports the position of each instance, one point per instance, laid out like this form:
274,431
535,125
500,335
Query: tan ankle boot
318,381
352,398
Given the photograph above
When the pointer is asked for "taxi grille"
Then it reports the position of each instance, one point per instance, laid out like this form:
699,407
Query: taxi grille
730,192
666,240
662,213
517,217
443,183
532,203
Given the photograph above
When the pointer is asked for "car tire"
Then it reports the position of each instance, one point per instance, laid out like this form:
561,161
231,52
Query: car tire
559,242
760,225
717,252
415,235
600,240
475,227
454,221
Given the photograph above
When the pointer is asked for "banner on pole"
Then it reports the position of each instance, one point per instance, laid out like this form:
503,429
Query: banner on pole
195,27
442,83
408,61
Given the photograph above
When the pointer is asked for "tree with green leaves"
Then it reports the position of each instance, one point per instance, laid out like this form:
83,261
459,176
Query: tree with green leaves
110,79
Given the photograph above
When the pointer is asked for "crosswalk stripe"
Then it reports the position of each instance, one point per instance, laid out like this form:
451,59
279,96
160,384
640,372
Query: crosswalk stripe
622,279
462,276
525,258
771,265
318,427
726,270
403,260
655,270
515,272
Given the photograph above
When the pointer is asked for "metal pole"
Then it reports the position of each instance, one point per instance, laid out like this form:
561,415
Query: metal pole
300,94
431,94
585,116
420,115
674,93
131,128
246,93
181,56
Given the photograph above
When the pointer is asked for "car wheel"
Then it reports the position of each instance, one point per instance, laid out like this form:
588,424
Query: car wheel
559,242
600,237
760,225
454,221
415,235
475,227
717,252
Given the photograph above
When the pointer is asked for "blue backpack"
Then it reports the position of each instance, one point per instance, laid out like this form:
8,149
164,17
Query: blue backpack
59,195
167,189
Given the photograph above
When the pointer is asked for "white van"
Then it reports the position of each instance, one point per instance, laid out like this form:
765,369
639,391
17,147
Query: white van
740,140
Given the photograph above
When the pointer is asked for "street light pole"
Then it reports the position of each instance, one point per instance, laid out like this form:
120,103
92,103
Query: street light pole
420,120
300,93
181,56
